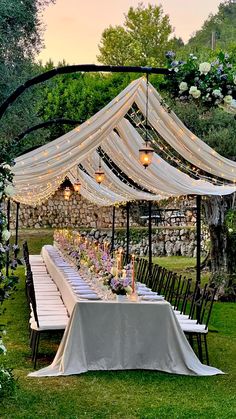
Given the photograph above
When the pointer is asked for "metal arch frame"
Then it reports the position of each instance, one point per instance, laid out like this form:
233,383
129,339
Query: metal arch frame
100,68
86,68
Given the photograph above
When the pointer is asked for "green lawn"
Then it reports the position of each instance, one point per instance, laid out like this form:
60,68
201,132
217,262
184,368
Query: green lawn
123,394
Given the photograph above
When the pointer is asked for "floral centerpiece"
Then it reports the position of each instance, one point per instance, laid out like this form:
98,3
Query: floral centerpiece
121,286
82,251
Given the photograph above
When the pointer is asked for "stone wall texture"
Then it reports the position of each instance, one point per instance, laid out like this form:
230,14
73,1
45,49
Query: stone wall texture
165,241
56,212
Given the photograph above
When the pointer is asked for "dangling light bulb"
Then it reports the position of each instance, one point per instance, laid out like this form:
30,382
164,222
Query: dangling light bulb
77,186
99,174
146,152
67,193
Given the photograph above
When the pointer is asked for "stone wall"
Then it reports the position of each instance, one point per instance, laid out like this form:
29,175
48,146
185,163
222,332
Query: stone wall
77,212
165,241
56,212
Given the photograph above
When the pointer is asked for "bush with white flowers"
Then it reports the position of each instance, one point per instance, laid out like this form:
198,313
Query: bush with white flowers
7,284
212,83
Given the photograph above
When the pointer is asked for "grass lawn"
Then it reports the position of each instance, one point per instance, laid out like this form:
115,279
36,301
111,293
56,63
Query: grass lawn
123,394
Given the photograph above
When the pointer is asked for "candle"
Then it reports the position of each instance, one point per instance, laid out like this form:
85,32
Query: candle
117,264
133,273
121,258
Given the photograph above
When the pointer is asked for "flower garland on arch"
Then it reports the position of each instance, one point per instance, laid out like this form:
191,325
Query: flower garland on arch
212,83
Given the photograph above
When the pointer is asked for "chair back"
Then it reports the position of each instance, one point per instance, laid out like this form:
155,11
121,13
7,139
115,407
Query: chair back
185,291
161,285
156,275
25,252
207,305
32,299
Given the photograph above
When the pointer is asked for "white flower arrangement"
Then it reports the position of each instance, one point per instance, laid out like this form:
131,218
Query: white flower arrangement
183,86
204,68
6,235
228,99
194,92
217,93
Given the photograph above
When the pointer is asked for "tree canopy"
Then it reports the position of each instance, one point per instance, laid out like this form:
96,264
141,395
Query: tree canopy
142,40
218,31
21,39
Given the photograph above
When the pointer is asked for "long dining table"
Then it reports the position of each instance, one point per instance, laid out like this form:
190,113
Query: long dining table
110,335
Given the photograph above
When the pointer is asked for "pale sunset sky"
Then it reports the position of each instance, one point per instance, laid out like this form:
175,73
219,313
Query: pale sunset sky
74,27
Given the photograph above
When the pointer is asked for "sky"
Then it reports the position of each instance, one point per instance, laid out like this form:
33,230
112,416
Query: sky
74,27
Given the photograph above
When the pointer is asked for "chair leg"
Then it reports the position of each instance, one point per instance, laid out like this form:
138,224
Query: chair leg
33,342
199,342
31,338
36,348
206,349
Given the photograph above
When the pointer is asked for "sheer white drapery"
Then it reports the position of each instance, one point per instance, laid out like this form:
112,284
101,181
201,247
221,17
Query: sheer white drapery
178,136
39,173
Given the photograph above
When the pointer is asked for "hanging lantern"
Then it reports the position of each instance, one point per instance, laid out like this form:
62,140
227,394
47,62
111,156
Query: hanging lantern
67,193
99,175
146,154
77,186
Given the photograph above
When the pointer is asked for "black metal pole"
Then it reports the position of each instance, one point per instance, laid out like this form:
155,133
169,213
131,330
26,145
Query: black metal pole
113,228
7,243
17,227
127,231
150,238
198,231
47,75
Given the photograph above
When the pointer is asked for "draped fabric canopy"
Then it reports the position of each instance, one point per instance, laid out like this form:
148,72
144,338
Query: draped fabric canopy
39,173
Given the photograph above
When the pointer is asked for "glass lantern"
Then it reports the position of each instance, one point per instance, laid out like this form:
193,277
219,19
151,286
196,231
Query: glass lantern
146,154
77,186
67,193
99,176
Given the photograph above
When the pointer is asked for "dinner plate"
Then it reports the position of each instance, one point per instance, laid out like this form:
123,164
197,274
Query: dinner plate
84,292
90,297
144,292
153,298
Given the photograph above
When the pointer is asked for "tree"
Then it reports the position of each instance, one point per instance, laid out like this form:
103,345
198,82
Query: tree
79,96
20,39
142,41
218,31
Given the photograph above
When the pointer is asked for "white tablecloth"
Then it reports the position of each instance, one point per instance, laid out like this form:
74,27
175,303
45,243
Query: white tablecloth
68,296
109,335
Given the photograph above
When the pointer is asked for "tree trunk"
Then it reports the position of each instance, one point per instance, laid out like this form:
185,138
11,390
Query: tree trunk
222,260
